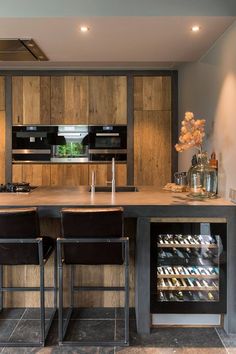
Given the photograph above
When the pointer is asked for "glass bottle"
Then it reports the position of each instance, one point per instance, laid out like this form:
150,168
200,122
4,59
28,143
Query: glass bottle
203,179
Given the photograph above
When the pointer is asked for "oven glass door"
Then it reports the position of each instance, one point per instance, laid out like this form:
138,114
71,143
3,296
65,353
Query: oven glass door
107,141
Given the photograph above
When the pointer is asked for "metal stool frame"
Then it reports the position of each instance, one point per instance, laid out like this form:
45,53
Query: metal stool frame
63,328
41,289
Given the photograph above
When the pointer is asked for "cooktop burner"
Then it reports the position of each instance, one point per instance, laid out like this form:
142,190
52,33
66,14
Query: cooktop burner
15,187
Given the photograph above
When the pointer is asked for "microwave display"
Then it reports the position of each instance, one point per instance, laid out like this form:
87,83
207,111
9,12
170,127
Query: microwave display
105,142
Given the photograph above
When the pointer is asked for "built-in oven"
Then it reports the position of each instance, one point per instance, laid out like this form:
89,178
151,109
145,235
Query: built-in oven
106,142
50,143
32,143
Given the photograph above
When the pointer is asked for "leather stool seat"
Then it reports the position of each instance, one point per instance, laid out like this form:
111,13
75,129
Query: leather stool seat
92,236
21,244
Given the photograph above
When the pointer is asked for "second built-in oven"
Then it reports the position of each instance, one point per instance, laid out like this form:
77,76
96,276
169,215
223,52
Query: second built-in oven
106,142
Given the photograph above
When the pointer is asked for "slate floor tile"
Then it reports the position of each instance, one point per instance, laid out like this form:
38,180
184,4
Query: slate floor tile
6,329
93,313
27,330
34,313
9,313
101,330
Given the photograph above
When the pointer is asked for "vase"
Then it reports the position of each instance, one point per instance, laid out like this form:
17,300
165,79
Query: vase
202,179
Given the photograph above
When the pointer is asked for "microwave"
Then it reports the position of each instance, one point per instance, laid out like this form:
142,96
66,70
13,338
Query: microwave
106,142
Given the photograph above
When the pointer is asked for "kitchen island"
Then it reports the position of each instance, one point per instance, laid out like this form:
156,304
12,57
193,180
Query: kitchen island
144,207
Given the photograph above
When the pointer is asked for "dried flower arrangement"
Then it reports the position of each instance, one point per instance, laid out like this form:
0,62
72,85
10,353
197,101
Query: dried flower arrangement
192,132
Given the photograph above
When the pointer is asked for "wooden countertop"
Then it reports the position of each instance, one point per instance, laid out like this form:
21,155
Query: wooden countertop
79,196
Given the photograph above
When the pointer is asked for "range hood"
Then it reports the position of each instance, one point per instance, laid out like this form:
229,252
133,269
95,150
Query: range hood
20,50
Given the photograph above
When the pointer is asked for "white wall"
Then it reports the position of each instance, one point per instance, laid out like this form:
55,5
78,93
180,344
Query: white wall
208,88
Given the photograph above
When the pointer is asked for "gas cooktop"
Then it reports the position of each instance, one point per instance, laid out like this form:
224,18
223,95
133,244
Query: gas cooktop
22,187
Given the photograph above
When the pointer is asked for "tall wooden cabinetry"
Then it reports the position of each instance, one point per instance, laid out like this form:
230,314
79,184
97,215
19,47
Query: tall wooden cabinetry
69,100
2,129
31,100
98,99
107,100
152,130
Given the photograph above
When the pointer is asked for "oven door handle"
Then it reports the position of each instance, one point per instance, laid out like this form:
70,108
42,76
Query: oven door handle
107,134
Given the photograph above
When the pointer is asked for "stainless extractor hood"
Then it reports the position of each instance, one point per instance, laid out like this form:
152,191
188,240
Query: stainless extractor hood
20,50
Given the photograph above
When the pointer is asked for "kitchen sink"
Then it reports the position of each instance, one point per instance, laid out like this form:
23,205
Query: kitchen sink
118,189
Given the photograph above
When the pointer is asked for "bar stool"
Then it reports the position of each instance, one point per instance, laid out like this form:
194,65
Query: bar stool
20,244
92,236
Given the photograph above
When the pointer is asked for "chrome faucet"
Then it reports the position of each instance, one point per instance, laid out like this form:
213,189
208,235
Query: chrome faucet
113,174
93,182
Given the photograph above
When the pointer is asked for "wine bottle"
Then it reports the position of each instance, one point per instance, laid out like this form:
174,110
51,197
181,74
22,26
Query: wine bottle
190,295
179,295
175,282
170,270
181,270
161,296
171,296
210,296
201,296
160,270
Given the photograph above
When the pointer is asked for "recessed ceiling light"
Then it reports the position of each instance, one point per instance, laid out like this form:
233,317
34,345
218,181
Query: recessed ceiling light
195,28
84,28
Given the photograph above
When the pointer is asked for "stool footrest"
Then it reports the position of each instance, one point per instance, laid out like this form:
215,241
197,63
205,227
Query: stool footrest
35,288
99,288
95,344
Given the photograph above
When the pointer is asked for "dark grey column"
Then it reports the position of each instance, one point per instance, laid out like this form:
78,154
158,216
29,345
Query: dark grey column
230,317
142,269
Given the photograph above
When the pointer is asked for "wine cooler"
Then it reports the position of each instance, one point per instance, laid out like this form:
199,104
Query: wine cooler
188,267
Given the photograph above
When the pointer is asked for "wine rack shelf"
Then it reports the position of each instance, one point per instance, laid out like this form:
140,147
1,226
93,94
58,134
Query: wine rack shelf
183,276
189,288
179,245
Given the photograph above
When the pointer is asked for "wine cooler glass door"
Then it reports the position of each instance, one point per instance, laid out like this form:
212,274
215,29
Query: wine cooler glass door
188,270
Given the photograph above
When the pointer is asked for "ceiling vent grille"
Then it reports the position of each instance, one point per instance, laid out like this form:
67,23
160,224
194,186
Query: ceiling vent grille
20,50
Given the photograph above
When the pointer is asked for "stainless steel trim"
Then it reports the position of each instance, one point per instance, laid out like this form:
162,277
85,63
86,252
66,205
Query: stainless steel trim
69,159
107,134
107,151
31,151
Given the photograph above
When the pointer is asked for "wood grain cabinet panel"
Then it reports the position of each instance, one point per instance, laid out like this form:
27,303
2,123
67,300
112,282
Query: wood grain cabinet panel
2,93
152,148
152,93
2,146
35,174
76,100
103,173
69,100
31,100
107,100
69,174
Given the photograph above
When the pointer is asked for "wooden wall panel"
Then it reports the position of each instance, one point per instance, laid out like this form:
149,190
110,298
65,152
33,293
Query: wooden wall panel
76,100
45,99
31,99
2,93
107,100
57,100
152,93
103,173
69,174
17,100
17,173
35,174
2,146
152,148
